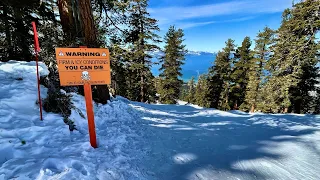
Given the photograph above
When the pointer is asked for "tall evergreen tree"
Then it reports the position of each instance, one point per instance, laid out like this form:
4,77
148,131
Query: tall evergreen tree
119,71
256,67
293,66
239,75
215,81
220,77
173,59
142,38
15,19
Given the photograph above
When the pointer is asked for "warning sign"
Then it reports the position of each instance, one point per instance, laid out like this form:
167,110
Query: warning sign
78,66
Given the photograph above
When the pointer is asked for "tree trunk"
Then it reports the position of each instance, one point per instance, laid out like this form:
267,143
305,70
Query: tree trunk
252,109
88,25
67,20
142,94
235,106
285,110
141,48
101,94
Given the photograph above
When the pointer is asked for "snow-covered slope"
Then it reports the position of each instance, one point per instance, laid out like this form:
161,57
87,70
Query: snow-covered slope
143,141
34,149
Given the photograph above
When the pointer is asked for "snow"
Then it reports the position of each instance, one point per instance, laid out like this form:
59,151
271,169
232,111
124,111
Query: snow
51,151
148,141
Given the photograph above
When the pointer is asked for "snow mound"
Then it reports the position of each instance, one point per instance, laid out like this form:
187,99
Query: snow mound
34,149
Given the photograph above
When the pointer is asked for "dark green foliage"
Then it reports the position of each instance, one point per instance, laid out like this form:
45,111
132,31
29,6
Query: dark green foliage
191,91
215,82
239,74
255,72
225,74
119,72
15,24
141,39
279,75
70,123
202,90
220,78
58,103
171,66
293,65
183,92
19,79
23,142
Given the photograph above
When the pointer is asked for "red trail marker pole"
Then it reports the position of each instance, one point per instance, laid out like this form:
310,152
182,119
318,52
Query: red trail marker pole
36,50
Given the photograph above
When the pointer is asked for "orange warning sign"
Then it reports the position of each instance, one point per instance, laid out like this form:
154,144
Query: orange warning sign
78,66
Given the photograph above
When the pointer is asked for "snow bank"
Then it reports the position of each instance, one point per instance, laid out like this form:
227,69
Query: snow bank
34,149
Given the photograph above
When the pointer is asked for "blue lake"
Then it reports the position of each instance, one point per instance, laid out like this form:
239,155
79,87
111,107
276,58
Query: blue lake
194,65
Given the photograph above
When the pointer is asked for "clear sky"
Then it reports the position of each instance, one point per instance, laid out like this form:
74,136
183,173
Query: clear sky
209,23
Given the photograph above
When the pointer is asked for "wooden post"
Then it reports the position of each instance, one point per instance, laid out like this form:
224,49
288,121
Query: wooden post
90,115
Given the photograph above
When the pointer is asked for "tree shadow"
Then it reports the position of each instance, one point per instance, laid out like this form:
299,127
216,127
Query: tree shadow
209,144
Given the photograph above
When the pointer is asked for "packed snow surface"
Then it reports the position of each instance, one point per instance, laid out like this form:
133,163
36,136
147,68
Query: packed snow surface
144,141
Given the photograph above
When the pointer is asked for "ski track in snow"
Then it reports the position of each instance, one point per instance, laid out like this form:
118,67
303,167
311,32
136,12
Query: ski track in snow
143,141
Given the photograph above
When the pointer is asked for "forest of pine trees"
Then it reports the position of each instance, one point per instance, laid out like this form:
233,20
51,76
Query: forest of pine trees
275,72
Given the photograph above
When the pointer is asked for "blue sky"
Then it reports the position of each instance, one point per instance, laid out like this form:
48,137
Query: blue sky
209,23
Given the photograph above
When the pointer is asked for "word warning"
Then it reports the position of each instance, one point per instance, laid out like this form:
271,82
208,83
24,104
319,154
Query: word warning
78,66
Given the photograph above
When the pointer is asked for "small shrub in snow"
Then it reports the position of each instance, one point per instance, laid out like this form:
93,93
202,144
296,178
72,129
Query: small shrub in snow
70,123
23,142
57,101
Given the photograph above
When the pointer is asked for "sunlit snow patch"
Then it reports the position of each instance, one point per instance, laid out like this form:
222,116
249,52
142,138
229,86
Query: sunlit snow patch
184,158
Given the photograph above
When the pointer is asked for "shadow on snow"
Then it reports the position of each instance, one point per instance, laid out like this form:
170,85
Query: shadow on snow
191,139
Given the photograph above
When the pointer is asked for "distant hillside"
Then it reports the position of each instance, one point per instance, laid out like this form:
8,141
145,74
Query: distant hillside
158,54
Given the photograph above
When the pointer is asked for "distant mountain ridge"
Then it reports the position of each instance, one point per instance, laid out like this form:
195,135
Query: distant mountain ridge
199,53
159,53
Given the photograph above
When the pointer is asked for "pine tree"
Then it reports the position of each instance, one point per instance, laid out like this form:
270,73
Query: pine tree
220,77
239,75
215,81
293,66
172,61
191,91
256,66
142,39
306,22
16,17
184,92
202,90
119,71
